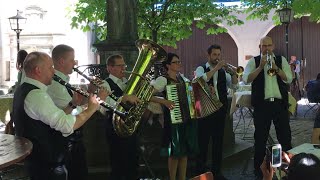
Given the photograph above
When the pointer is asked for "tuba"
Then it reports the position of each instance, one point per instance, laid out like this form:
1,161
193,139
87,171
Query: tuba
149,53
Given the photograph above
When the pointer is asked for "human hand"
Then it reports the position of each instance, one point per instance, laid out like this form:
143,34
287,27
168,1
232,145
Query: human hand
169,104
103,93
263,61
93,102
77,99
212,90
132,99
221,63
92,88
267,170
274,66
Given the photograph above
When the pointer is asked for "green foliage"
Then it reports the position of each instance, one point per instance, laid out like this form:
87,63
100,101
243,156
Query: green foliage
164,21
89,15
307,7
260,9
171,20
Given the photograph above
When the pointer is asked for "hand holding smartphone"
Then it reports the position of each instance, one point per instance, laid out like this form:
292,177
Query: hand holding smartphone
276,152
268,157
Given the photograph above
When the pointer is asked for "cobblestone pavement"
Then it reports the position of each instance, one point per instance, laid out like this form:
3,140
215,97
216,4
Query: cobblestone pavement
241,166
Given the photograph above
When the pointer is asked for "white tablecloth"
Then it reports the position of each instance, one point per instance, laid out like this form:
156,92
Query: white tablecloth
240,99
306,148
5,107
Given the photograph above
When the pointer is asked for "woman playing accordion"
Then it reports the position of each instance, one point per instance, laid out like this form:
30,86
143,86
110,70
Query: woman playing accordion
180,135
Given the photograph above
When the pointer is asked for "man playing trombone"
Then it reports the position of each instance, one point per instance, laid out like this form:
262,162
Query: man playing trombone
270,76
63,60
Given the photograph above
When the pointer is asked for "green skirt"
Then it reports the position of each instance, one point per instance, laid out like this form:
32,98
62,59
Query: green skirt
183,140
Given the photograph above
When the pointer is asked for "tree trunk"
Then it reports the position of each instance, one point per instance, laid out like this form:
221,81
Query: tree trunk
155,36
122,21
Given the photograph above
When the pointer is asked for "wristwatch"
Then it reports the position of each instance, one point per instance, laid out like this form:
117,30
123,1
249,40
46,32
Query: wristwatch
71,105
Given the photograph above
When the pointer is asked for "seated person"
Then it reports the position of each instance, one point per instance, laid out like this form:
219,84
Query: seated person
313,89
301,166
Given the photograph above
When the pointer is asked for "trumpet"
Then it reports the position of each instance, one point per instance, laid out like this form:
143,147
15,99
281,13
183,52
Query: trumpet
239,70
271,71
229,67
86,94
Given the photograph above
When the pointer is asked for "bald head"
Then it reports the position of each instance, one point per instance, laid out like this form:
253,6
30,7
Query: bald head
39,66
266,45
266,39
33,60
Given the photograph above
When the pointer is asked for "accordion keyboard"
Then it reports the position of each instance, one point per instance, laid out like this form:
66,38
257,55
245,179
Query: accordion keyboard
175,113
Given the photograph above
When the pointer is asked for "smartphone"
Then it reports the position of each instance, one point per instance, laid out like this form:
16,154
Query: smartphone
276,154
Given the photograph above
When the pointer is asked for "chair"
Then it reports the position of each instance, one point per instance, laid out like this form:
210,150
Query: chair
313,96
312,106
204,176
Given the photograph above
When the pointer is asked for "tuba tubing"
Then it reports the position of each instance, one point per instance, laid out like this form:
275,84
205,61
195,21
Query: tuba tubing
139,85
94,82
86,94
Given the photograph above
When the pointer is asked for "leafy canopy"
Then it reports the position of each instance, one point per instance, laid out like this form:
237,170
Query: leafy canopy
164,21
260,9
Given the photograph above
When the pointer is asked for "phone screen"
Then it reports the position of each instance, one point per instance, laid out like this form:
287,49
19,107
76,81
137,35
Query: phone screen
276,157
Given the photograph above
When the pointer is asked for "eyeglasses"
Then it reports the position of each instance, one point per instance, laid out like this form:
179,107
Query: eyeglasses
176,62
121,65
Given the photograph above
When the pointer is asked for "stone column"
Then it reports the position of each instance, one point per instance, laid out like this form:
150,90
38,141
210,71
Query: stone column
121,32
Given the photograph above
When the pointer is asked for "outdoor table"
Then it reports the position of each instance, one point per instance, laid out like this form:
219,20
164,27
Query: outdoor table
306,148
13,149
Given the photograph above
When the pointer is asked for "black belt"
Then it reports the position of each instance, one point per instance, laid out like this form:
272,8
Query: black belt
273,100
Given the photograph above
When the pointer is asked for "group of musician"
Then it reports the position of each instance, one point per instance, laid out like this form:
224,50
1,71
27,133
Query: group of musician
51,115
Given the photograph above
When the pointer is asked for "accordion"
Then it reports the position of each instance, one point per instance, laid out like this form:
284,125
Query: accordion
193,100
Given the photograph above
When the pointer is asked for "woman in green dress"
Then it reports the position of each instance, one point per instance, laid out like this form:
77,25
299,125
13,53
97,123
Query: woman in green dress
179,139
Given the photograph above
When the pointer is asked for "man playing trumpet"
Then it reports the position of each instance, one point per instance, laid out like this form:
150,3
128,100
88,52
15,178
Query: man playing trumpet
270,76
214,73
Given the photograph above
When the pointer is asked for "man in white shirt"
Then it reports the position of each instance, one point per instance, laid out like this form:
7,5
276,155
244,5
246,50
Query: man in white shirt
214,73
269,99
37,118
63,57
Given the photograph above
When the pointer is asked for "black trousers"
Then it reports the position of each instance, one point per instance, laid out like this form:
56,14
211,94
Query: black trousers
263,114
76,161
40,170
123,156
211,126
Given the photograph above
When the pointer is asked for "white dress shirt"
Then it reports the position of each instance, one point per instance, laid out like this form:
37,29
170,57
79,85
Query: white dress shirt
39,106
201,73
120,82
59,93
271,87
161,82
